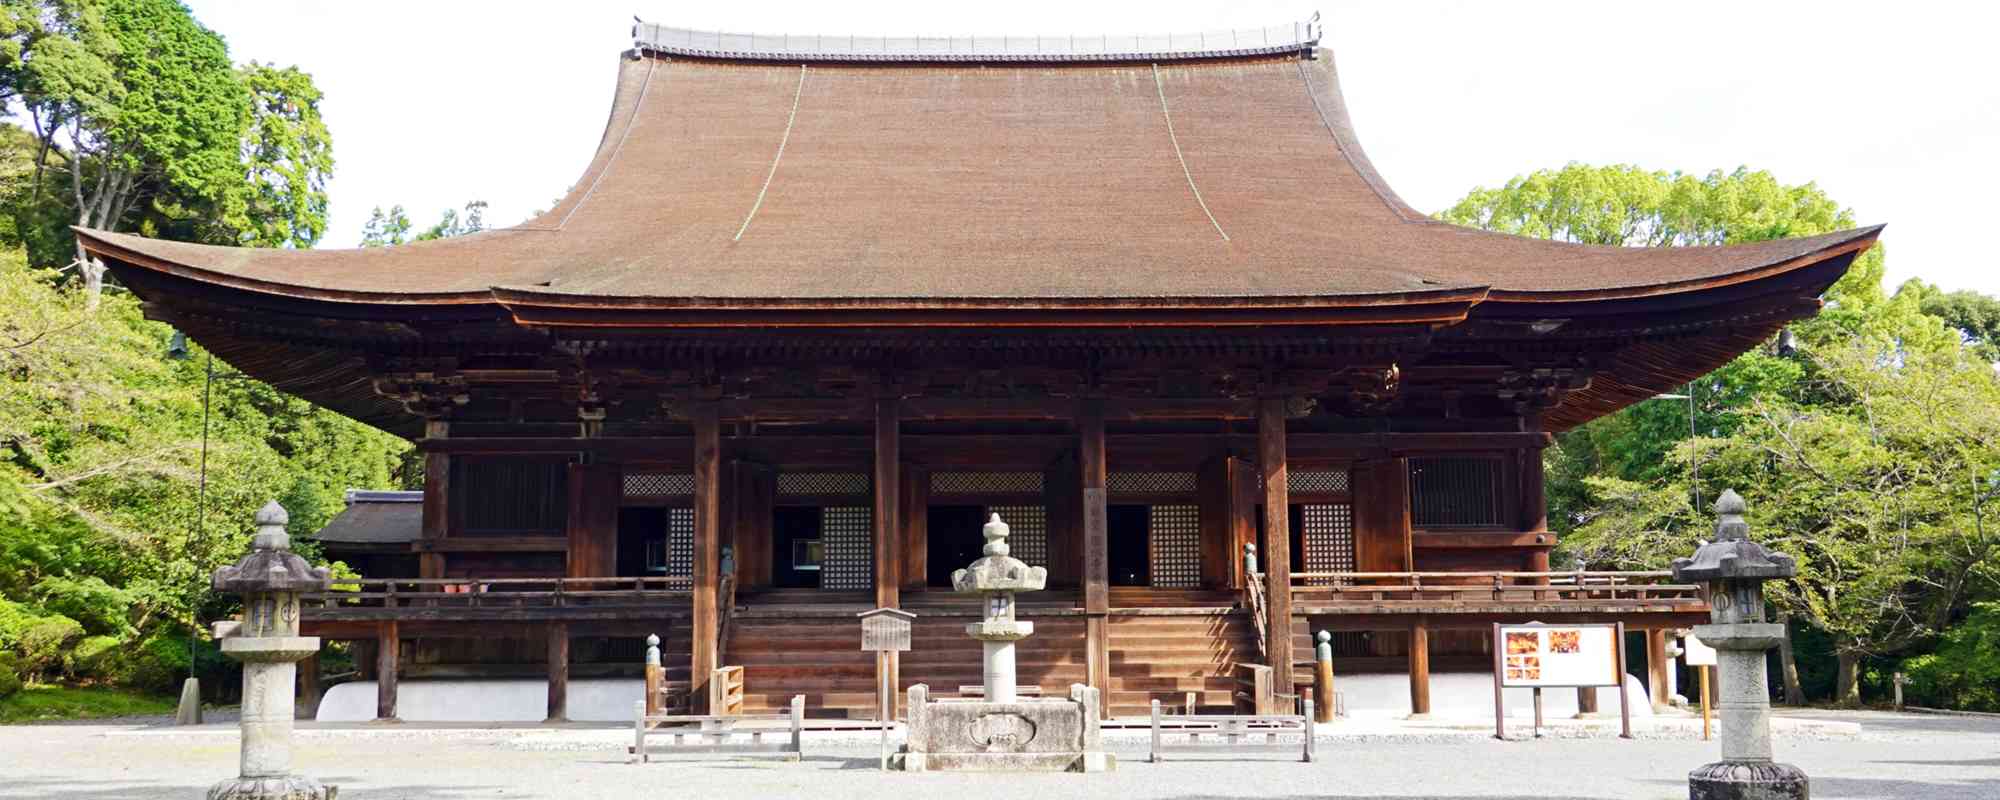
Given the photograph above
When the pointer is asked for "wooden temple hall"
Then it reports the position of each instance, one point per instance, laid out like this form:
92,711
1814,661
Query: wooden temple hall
819,305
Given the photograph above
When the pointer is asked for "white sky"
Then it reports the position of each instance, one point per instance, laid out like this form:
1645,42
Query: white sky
1893,108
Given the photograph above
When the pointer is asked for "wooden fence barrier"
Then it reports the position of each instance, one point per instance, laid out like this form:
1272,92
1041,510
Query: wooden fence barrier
712,732
1255,692
1228,732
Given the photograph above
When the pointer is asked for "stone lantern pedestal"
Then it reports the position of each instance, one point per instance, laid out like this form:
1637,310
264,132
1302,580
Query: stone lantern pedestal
268,643
1735,569
1002,732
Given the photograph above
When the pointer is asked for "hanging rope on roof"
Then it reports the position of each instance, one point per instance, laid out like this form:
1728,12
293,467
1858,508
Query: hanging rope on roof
1189,174
796,94
631,120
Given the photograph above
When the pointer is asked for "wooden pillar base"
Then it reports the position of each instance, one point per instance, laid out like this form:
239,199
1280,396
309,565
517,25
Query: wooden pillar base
1657,665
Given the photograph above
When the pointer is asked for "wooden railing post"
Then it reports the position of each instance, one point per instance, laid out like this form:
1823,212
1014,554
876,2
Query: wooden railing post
655,676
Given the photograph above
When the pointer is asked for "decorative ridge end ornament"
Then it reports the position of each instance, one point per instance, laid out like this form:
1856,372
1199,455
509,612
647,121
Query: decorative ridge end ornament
997,571
271,565
1732,554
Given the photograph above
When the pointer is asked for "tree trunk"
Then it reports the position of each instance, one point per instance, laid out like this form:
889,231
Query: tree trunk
1847,678
1795,695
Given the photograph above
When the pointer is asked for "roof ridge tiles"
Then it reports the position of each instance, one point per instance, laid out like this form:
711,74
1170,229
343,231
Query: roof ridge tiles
1300,37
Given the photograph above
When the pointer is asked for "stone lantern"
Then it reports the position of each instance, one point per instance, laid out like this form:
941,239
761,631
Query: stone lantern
1000,731
267,641
1735,569
998,576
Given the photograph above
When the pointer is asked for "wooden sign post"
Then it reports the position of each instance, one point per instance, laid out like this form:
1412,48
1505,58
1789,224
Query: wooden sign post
1702,658
1538,656
885,631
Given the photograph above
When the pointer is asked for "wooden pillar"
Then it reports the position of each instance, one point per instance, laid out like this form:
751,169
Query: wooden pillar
1227,487
888,531
915,498
888,483
595,490
437,501
558,672
1657,665
310,690
1096,555
1534,495
707,547
363,653
1586,700
388,647
1420,667
1277,556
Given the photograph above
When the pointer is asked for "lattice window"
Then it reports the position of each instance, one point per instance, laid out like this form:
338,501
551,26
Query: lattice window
1454,492
986,483
1316,481
1149,482
848,534
1027,532
656,484
1329,540
823,483
680,542
1173,537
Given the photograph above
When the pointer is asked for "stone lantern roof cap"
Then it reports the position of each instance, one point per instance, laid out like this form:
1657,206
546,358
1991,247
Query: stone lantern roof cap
271,565
1732,555
997,571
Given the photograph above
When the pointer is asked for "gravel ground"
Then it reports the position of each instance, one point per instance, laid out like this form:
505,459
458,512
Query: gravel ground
1894,756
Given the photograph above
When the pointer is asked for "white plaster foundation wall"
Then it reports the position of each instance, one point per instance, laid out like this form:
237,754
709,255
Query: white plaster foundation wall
598,700
1469,695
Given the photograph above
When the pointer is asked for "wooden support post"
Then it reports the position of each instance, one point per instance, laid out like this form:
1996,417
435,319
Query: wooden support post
310,690
915,498
1586,702
707,546
1657,665
387,650
437,501
1277,541
888,534
1420,668
558,672
1096,553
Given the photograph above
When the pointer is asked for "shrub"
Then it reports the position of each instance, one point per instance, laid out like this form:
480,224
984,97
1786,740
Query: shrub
94,657
1964,673
10,674
155,663
101,607
43,643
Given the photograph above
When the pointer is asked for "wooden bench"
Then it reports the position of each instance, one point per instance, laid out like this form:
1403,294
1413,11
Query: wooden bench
712,732
1229,732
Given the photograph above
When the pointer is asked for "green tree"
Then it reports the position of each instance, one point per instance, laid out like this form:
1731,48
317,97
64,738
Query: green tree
288,158
1975,315
1857,449
386,229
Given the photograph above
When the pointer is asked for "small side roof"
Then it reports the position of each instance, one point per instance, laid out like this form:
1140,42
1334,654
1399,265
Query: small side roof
376,517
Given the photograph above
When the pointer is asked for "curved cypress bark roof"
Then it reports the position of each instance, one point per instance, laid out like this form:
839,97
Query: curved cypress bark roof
769,181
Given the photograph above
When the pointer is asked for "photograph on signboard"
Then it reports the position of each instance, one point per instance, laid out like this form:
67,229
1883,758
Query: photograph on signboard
1565,641
1523,642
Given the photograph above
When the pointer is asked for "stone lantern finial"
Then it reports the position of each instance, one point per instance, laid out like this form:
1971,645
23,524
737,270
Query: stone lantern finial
995,532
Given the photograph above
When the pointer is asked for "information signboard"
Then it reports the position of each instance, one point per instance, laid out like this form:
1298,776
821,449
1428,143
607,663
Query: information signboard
1558,655
1537,656
1699,654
